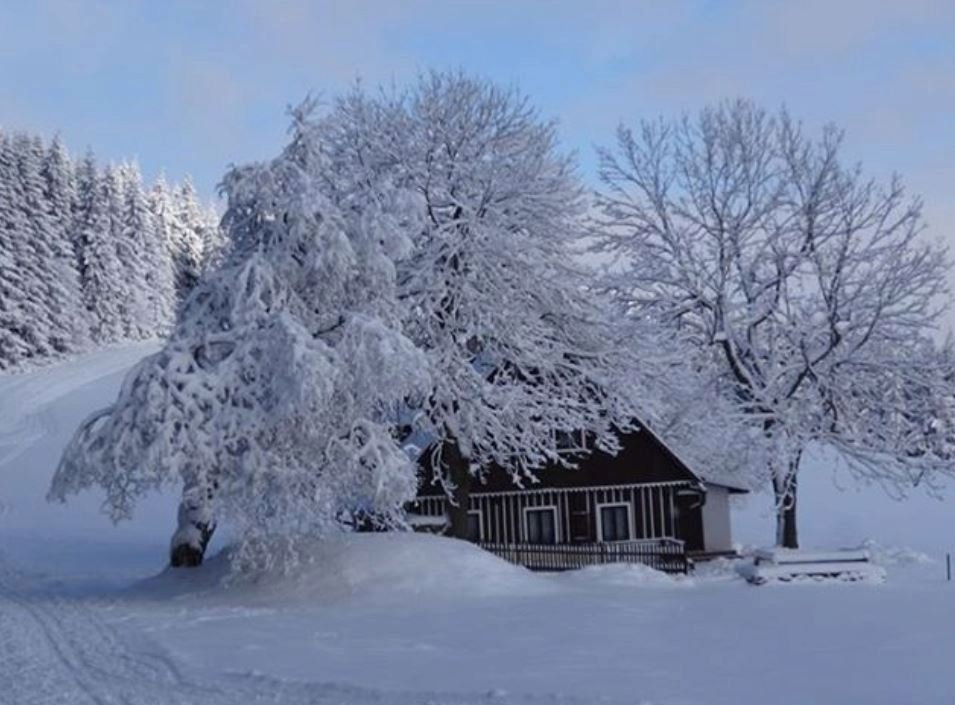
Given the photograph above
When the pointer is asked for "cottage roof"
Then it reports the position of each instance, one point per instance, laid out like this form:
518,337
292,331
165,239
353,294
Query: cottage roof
643,458
712,477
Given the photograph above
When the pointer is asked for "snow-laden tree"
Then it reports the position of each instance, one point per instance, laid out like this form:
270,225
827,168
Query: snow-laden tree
100,269
188,237
87,180
130,226
145,260
60,193
809,285
693,408
51,272
86,254
25,235
270,402
18,339
520,353
215,244
166,225
902,423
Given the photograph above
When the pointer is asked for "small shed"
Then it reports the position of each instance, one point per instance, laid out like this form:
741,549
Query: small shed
644,504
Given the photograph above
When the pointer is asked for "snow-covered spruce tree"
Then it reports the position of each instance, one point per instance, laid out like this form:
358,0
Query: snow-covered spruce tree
101,274
189,235
51,270
519,352
25,236
122,289
60,191
166,224
18,338
145,260
269,402
808,284
87,178
86,255
215,244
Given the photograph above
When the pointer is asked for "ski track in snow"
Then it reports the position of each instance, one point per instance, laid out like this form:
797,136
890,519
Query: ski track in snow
59,650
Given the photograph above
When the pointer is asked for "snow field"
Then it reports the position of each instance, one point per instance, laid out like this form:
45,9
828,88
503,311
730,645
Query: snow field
88,615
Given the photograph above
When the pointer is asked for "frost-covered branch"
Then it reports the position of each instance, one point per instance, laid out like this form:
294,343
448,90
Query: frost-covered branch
792,270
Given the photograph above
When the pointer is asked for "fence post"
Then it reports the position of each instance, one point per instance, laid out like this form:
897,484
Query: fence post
948,566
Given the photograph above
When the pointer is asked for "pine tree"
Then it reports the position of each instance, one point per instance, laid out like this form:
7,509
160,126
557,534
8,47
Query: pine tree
214,240
16,342
100,271
189,235
133,233
47,263
12,346
121,288
27,246
86,179
150,269
164,225
60,189
86,255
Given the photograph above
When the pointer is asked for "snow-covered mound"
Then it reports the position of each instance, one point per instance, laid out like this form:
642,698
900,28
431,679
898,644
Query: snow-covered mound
623,575
379,567
895,555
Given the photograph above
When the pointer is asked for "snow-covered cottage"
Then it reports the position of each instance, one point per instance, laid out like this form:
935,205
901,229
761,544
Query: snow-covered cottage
643,504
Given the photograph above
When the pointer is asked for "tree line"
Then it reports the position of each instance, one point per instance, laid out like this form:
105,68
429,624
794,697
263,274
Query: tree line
89,253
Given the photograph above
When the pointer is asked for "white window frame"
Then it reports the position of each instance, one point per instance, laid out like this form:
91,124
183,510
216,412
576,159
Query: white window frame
600,525
539,508
480,516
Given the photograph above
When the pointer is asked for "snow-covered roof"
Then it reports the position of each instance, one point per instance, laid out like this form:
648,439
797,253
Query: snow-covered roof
712,477
416,444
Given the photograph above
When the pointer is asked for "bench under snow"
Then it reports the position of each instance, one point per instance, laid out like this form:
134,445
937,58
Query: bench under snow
785,565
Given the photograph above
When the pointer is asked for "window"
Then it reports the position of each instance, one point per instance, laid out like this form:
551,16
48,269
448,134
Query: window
475,526
541,525
615,522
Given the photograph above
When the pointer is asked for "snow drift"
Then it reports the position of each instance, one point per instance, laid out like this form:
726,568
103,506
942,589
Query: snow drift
361,568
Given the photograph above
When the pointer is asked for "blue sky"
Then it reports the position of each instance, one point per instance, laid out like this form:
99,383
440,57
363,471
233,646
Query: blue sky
190,87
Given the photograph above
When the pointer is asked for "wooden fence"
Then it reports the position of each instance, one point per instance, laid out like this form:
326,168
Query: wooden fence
668,555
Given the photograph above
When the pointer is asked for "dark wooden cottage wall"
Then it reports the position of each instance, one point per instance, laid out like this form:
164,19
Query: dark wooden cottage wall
665,497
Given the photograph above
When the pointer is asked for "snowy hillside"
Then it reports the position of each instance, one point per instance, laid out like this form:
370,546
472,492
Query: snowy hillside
87,614
39,411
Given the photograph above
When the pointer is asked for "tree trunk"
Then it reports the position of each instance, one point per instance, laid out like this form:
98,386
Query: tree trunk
196,524
784,467
459,473
787,535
